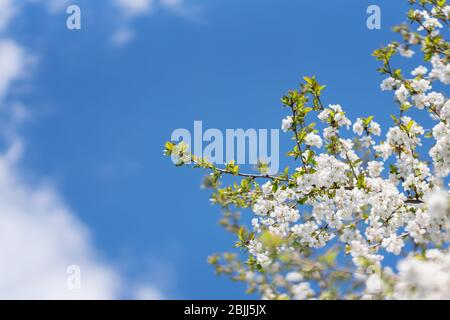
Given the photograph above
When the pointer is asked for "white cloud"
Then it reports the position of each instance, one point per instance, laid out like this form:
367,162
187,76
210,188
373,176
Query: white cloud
147,293
12,63
7,12
56,5
40,238
130,9
121,37
172,4
135,7
39,235
190,12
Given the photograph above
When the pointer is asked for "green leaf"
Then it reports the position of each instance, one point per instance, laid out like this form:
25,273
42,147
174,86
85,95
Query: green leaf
409,125
168,147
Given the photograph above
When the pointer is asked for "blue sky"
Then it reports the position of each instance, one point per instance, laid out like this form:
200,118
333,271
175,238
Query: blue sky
101,112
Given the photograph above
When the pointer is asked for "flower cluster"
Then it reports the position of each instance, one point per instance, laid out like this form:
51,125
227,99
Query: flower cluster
352,200
424,277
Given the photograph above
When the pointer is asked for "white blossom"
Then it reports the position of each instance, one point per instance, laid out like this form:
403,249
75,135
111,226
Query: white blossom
286,123
374,128
424,278
358,127
388,84
314,140
375,168
419,71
